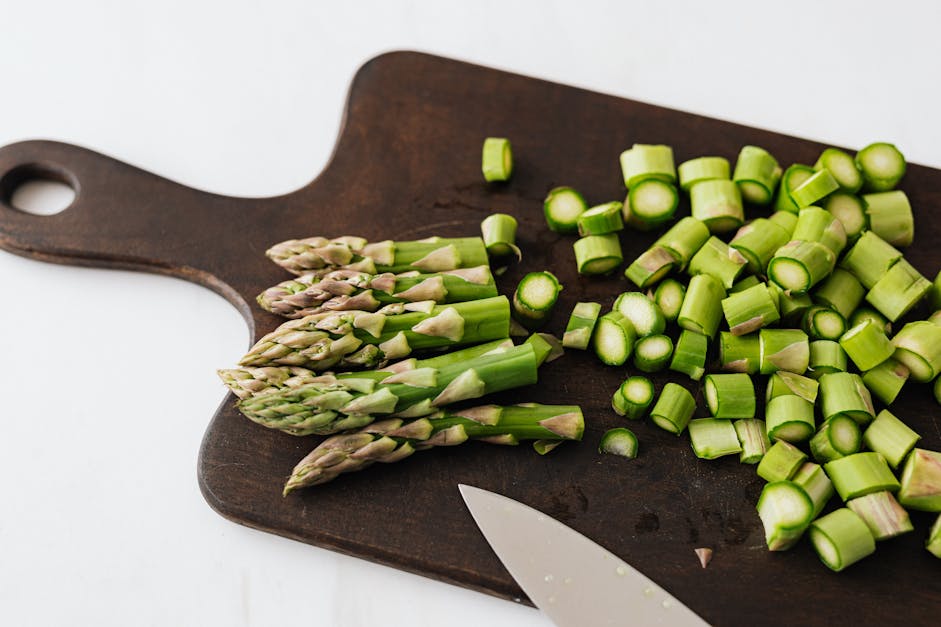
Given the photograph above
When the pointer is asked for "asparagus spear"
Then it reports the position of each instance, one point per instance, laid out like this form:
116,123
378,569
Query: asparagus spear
393,439
321,255
358,339
246,381
345,290
331,403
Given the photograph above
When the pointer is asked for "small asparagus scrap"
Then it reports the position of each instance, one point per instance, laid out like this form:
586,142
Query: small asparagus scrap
319,255
349,290
358,339
705,555
394,439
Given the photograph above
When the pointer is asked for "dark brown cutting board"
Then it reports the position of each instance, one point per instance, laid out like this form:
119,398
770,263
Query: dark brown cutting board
407,166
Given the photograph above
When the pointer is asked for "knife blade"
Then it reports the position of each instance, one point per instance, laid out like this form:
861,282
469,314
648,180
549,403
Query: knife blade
574,581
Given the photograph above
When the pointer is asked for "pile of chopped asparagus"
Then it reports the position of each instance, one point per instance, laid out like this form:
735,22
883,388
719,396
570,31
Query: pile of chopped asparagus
807,296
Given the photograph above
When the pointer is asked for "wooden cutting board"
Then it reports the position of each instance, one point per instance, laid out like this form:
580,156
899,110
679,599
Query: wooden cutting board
407,166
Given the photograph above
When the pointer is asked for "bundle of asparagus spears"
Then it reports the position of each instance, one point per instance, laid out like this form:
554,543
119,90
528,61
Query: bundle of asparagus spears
362,309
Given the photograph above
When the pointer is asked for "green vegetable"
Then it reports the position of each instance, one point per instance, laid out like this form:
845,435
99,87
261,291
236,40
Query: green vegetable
497,161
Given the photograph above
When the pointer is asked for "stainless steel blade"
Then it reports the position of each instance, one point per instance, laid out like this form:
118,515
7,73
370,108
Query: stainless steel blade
576,582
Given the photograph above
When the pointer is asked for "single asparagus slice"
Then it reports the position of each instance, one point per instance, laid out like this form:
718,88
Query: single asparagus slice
786,220
785,510
780,462
535,297
719,261
841,538
817,225
816,187
791,306
601,220
868,313
394,439
702,169
867,345
886,380
837,437
843,168
841,291
717,204
562,208
918,347
497,159
319,255
743,284
669,297
650,203
822,323
791,418
921,481
753,438
860,474
883,515
333,403
898,291
702,306
816,484
646,161
757,242
826,356
642,311
933,544
793,177
712,438
890,217
633,397
613,339
499,234
757,174
844,393
783,383
850,210
581,324
730,395
673,409
619,441
689,355
547,347
598,254
739,353
799,265
652,265
750,310
882,166
652,353
684,239
348,290
870,259
363,339
783,349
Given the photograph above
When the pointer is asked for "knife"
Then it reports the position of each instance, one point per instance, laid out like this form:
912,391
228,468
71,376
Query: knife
574,581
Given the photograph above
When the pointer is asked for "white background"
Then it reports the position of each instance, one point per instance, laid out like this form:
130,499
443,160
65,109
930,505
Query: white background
106,394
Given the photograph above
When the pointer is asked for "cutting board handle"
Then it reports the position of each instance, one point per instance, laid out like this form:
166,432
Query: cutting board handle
124,217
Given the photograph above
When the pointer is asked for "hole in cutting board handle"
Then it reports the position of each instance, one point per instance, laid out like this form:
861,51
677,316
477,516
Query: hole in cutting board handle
41,190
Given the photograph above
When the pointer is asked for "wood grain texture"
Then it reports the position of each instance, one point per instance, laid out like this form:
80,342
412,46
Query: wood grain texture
407,166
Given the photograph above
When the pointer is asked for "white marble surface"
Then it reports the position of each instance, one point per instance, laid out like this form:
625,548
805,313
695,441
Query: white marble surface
106,395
